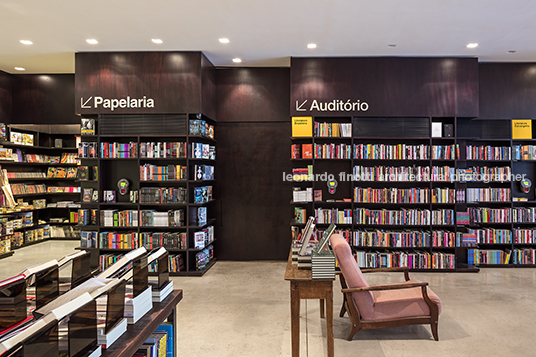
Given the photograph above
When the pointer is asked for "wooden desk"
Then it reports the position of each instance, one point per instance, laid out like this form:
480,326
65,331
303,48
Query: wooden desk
136,334
303,286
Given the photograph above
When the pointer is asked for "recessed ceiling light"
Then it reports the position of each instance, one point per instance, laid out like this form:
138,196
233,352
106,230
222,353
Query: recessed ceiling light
224,40
311,45
157,40
26,42
472,45
511,51
92,41
20,69
392,45
237,60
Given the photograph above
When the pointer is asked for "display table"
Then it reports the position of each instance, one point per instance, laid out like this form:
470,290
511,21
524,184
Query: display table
303,286
136,334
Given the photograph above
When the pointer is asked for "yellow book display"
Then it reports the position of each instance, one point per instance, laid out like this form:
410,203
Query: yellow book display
302,126
522,129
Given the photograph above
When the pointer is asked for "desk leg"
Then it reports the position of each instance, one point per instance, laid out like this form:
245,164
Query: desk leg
295,318
322,313
329,322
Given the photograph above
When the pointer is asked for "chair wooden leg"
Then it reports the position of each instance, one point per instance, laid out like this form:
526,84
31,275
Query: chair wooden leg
434,326
343,310
355,329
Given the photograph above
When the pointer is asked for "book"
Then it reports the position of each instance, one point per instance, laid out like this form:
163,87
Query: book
87,195
436,129
81,173
302,126
95,196
521,129
307,151
87,126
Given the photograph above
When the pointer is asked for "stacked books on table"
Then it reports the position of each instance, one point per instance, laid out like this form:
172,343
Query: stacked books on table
136,307
163,292
323,265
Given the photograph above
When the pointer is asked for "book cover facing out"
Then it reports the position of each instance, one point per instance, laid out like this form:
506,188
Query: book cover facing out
521,129
302,126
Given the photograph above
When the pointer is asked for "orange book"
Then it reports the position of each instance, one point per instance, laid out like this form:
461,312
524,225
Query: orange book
307,151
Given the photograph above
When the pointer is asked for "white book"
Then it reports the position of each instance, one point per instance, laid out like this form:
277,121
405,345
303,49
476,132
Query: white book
145,295
436,130
159,295
106,340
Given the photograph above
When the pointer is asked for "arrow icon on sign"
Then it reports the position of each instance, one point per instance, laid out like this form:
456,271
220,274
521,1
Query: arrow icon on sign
83,104
299,107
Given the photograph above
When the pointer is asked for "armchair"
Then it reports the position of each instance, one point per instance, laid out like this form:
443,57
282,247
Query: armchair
388,305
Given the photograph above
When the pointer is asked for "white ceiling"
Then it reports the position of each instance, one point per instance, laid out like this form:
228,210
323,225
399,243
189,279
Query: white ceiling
264,32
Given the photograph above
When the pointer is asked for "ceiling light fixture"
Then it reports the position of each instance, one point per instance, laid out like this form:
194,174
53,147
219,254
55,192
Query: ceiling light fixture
224,40
20,69
26,42
157,41
311,45
92,41
392,45
237,60
511,51
472,45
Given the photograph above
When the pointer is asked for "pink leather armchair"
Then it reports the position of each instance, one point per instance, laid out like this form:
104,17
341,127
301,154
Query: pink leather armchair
370,307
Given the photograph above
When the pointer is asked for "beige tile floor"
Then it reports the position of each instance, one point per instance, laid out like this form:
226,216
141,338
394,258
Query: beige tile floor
242,309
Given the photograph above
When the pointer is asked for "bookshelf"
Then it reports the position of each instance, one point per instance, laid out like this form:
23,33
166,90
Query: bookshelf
41,166
169,165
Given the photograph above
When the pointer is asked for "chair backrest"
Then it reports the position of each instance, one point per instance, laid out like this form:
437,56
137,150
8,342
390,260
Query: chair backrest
353,276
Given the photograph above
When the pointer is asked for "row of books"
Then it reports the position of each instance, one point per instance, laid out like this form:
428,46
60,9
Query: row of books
488,195
63,189
332,151
523,256
118,240
485,174
303,174
65,158
176,263
489,256
202,128
171,218
203,151
409,238
487,152
203,237
85,173
163,195
301,151
503,215
367,216
115,218
393,195
150,172
62,172
203,194
524,152
64,232
203,172
168,240
333,129
88,149
300,215
333,215
23,189
19,174
410,259
105,260
21,138
86,217
203,258
404,173
493,236
117,150
164,149
5,246
404,152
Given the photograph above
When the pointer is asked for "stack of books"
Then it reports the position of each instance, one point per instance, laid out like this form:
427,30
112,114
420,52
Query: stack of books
160,294
136,307
323,265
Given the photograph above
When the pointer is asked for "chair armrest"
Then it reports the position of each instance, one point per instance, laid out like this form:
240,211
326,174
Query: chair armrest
377,270
386,287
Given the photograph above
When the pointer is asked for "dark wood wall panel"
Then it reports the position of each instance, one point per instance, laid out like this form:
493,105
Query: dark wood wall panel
172,79
5,97
208,87
253,134
253,94
467,98
43,99
390,86
255,212
507,90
